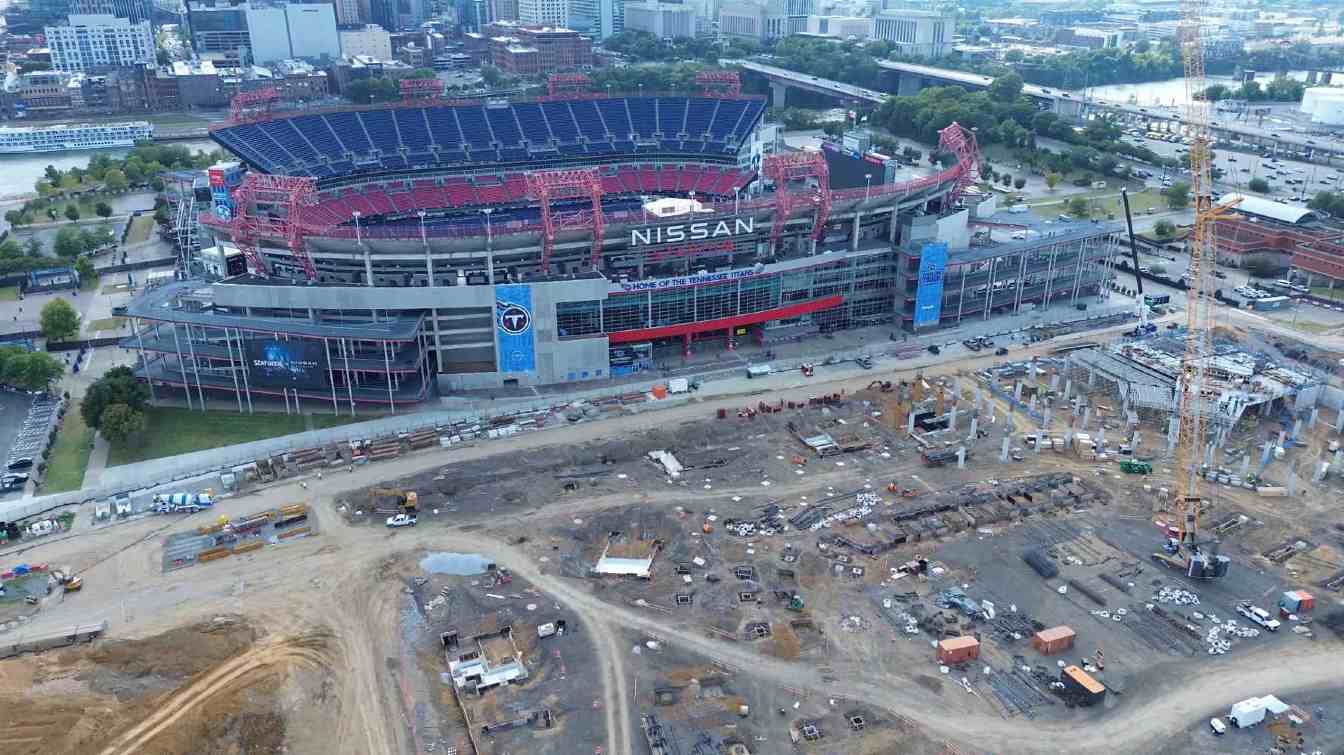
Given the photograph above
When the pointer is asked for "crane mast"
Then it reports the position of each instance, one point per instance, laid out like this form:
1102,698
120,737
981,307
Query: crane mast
1203,254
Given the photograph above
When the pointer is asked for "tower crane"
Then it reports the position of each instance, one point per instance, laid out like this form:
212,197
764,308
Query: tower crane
1199,558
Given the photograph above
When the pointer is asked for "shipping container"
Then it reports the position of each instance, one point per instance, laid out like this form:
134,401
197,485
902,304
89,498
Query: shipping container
958,650
1080,684
1053,640
1297,601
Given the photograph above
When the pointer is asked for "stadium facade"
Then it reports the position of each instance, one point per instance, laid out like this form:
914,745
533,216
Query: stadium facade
396,252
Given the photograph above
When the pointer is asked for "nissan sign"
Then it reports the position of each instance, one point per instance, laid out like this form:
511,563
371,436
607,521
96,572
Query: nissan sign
671,234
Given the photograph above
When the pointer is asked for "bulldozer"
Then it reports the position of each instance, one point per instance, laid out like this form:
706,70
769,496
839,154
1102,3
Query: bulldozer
394,501
68,581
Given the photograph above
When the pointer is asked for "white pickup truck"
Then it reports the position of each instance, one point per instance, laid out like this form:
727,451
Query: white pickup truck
1258,615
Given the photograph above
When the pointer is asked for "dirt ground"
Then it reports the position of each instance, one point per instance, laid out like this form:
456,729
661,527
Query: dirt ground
212,687
317,660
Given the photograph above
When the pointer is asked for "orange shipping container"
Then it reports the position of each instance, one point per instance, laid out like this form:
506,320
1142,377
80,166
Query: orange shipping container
1053,640
958,650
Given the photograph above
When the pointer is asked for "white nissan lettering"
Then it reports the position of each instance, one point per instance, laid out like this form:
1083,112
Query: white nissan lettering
669,234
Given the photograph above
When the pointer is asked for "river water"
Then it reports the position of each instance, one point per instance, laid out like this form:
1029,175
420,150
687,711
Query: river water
19,173
1169,92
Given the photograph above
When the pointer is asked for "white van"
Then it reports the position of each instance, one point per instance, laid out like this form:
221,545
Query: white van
1219,728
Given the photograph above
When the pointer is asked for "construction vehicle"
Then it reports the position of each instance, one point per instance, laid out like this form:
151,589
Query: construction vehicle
808,369
937,457
883,386
796,603
183,503
864,361
1136,467
394,501
68,581
902,492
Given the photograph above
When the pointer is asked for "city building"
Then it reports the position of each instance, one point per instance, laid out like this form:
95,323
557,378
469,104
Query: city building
760,21
134,11
917,33
348,13
371,40
553,13
503,10
312,32
1325,105
840,27
218,30
37,93
264,32
532,51
98,42
199,84
661,19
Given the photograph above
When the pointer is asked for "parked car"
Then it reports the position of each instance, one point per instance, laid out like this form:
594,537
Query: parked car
21,463
401,520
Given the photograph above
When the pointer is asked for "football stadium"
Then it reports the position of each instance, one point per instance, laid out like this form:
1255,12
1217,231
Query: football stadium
384,254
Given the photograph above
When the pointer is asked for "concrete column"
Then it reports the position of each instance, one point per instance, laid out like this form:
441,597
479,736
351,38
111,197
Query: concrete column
1339,421
1292,483
732,339
1032,404
1101,436
854,241
1266,454
1017,390
1045,418
1173,433
1068,389
1297,428
1003,450
910,422
1054,382
1245,466
1283,435
1339,458
1312,421
961,457
778,94
952,418
975,428
1087,417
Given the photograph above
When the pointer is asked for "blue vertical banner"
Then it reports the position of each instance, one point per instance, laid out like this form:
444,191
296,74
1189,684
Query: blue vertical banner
929,295
513,327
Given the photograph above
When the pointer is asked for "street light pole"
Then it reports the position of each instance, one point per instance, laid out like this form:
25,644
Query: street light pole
489,246
867,184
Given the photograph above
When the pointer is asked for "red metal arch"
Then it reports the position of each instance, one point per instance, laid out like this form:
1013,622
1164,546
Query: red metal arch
789,167
254,105
273,206
548,185
961,142
719,83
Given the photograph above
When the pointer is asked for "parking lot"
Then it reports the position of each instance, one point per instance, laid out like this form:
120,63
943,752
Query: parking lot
25,429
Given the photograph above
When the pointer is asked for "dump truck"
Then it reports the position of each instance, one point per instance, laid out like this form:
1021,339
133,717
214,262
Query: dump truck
182,503
1130,466
394,501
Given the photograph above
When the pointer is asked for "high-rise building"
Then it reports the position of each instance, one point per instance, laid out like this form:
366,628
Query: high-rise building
99,41
384,13
371,40
760,21
265,32
661,19
348,13
411,13
584,16
920,33
503,10
552,13
218,30
134,11
312,31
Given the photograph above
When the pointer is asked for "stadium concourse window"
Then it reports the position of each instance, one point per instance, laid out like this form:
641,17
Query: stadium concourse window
575,319
628,312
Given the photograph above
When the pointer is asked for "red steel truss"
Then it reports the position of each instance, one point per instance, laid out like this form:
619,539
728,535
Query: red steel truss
421,89
253,105
273,206
792,166
961,143
568,85
548,185
720,83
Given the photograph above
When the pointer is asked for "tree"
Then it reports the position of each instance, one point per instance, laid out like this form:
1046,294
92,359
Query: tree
70,182
33,247
121,422
1052,180
1164,229
13,217
492,76
53,174
84,266
60,321
115,180
1178,195
1078,207
117,386
1259,185
71,212
69,242
1019,182
103,209
31,370
9,249
1006,87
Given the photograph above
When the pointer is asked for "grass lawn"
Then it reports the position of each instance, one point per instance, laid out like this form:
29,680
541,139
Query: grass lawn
178,119
1325,291
105,324
70,454
89,284
142,226
171,430
9,293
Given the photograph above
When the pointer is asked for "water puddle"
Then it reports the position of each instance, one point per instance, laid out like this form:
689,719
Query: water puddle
458,564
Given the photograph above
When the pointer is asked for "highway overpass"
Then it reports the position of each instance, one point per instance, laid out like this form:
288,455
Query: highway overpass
782,79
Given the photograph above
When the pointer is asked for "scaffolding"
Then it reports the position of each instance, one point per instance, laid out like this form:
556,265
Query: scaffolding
421,90
788,167
253,106
568,85
719,83
273,206
551,185
186,226
961,143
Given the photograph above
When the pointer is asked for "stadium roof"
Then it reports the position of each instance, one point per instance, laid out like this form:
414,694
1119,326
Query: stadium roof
1267,208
